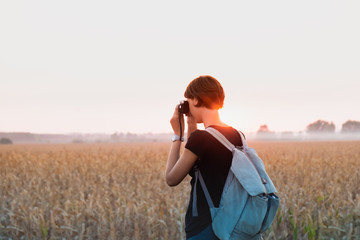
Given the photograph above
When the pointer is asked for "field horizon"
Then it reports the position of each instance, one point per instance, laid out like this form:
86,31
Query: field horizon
56,138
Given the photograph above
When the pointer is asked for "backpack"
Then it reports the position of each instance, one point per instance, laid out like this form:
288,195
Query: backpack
248,202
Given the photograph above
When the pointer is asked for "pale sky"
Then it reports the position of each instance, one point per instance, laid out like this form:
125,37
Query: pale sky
122,66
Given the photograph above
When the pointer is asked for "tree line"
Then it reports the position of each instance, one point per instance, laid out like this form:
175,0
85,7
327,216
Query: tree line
322,126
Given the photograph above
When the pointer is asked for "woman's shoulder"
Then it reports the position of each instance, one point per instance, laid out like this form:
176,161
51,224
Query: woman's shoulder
198,142
198,134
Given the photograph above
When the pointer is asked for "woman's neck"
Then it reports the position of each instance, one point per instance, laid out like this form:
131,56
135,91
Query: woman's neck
212,117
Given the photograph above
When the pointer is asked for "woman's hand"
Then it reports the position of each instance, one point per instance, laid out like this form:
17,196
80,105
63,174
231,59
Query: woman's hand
192,125
174,121
190,120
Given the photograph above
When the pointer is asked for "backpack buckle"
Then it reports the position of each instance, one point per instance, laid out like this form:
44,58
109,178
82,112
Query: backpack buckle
263,180
241,148
196,167
263,195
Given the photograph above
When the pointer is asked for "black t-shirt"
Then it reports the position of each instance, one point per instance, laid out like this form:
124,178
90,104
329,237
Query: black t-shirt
214,163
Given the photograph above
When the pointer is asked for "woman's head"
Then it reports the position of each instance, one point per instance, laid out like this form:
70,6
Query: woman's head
205,95
207,91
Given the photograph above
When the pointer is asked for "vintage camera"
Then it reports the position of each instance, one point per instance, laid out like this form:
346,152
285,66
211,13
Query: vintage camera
184,107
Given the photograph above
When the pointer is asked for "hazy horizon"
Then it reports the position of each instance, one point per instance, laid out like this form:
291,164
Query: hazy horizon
200,126
91,67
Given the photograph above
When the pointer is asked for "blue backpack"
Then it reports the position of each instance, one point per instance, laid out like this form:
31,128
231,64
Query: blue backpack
248,202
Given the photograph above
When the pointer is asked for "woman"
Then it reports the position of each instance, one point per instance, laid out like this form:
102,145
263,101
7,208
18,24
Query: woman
205,96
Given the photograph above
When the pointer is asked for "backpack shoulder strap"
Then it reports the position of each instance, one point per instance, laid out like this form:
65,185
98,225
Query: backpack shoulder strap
243,140
221,138
199,177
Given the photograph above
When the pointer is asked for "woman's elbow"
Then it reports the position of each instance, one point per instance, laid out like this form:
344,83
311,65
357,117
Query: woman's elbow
171,182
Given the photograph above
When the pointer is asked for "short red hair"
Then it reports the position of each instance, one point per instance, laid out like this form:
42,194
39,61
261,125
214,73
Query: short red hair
207,90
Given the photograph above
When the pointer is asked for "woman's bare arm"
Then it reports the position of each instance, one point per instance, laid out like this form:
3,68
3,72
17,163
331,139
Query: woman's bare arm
178,166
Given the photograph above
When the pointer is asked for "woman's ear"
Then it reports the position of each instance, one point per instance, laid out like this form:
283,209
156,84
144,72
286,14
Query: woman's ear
196,101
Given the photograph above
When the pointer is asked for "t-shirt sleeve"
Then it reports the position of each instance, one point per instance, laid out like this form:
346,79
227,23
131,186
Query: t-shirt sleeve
195,143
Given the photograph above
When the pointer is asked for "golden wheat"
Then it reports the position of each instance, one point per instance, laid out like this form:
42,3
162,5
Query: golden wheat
118,191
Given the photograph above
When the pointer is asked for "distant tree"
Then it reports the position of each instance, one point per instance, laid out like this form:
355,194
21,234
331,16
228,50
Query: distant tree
114,137
350,126
77,140
263,129
131,136
264,133
5,141
321,126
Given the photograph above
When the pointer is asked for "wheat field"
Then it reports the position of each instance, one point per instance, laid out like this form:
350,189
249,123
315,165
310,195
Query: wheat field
118,191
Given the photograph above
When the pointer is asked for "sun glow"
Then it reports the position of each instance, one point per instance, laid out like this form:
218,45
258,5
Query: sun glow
237,117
